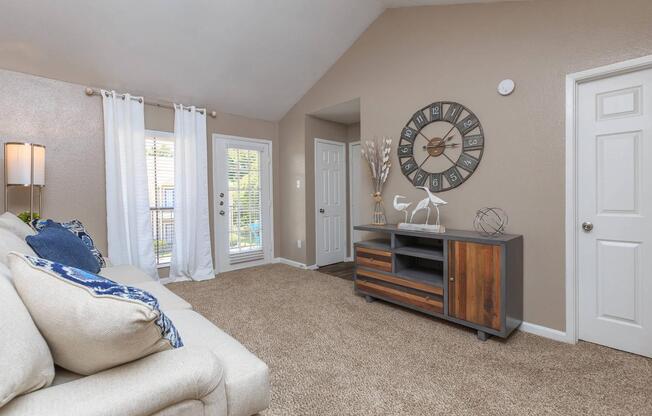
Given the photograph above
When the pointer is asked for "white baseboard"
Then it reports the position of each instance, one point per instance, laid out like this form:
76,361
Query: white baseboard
293,263
348,259
545,332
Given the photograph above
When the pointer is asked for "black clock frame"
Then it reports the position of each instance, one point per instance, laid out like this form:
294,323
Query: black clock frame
472,134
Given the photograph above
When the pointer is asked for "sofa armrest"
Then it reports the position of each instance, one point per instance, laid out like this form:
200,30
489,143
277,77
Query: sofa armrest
139,388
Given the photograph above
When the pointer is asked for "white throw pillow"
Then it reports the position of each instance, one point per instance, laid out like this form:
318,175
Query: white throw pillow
11,222
90,323
25,359
10,242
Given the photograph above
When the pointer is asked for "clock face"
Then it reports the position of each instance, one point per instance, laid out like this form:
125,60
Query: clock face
441,146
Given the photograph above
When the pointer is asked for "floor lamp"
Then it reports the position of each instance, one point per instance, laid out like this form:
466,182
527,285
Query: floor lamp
25,167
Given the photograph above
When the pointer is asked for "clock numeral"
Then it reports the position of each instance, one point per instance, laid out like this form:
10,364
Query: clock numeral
453,177
405,150
467,124
435,182
474,142
409,166
467,162
435,112
420,178
419,119
453,113
409,134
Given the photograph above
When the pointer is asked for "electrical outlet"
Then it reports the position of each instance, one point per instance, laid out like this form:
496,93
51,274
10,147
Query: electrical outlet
298,183
299,243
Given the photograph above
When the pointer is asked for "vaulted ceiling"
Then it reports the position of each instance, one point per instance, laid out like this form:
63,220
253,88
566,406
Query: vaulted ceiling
254,58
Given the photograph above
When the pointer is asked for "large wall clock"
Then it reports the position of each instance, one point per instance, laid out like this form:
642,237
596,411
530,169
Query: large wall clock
441,146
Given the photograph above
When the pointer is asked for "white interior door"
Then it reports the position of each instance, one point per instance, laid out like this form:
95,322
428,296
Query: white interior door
615,212
330,197
355,162
242,187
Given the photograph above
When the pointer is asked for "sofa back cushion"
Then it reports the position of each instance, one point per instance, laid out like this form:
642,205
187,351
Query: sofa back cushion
10,242
57,244
90,323
11,222
25,359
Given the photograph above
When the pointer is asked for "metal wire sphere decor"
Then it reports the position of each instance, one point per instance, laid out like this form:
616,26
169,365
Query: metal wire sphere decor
490,221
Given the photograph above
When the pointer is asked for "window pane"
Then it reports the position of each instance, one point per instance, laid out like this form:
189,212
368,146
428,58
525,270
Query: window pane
160,175
244,200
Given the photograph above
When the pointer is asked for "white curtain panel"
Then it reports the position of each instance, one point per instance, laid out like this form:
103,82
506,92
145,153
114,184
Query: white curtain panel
129,228
191,251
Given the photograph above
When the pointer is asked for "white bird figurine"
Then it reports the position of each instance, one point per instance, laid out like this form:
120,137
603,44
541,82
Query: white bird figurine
423,204
435,201
401,206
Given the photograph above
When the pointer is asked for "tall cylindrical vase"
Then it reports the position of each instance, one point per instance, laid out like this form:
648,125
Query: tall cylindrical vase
379,210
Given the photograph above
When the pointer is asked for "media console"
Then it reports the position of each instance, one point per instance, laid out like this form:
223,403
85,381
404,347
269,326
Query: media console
461,276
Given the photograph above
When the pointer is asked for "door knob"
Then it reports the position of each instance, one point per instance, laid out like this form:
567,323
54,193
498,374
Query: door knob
587,226
321,210
222,212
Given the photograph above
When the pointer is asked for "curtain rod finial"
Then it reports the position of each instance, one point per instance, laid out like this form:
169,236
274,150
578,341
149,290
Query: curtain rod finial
214,114
89,91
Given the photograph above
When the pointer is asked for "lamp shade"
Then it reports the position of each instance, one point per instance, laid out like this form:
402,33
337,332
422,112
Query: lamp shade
18,164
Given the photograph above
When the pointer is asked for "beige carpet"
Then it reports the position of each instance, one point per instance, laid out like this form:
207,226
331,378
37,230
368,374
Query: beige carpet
330,353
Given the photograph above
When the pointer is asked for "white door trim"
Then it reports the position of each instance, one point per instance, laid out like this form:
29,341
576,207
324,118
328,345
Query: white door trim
314,187
572,83
270,257
350,147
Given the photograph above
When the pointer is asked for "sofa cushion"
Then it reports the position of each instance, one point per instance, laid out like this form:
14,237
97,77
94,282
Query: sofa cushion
90,323
10,242
166,298
125,274
59,245
77,229
25,359
143,387
246,377
15,225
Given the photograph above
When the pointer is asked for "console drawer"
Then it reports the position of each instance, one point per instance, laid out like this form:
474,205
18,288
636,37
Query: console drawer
373,258
422,302
401,282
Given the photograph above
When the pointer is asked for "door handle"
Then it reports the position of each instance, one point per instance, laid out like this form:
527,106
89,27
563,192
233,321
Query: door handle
587,226
321,210
222,212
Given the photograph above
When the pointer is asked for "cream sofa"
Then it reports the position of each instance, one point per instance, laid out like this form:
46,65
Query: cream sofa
213,374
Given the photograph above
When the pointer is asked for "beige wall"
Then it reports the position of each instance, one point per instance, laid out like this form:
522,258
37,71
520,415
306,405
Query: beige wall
61,116
58,115
411,57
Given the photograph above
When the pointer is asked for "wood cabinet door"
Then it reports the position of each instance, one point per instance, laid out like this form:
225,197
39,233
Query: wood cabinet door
474,283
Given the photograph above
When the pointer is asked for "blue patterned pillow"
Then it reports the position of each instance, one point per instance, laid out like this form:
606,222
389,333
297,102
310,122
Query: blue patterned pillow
102,287
77,228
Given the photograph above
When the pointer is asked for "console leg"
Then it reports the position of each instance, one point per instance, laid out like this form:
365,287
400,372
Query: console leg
482,336
368,298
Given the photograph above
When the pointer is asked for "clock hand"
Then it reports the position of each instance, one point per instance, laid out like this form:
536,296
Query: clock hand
435,146
448,132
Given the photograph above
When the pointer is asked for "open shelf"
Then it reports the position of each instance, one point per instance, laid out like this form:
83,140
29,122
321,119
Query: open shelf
427,248
378,244
421,251
422,270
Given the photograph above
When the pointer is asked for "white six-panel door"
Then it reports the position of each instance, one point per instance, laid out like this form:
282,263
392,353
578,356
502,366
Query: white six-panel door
615,212
330,202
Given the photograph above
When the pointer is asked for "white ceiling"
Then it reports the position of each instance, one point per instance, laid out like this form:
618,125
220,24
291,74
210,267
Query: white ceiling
255,58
